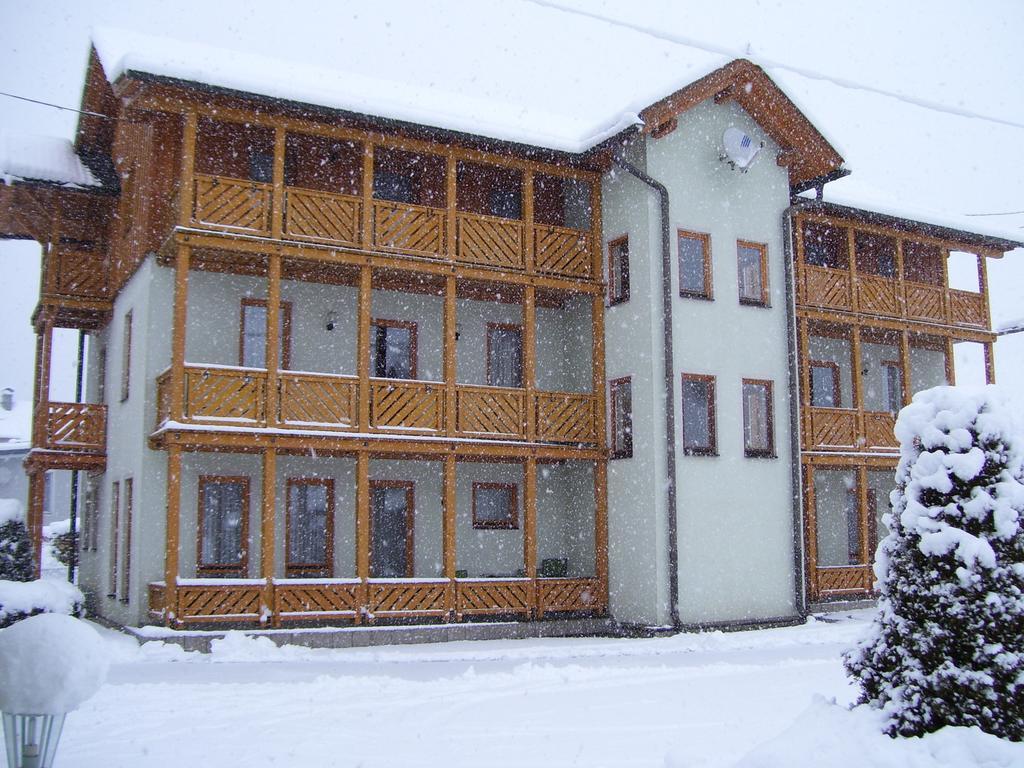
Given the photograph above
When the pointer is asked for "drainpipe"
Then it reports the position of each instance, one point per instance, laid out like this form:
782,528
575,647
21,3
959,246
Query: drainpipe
670,417
796,475
73,511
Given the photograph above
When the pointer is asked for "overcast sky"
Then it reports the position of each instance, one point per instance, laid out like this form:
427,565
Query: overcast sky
964,56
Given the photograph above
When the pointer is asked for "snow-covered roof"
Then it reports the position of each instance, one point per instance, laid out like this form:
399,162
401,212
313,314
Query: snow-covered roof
16,424
535,75
43,158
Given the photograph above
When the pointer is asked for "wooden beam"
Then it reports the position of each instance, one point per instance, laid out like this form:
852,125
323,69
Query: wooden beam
277,204
601,526
448,537
178,333
908,380
530,359
856,377
950,362
810,531
530,526
990,363
188,160
597,365
273,336
173,533
451,194
363,346
363,515
34,517
528,216
44,348
449,352
267,538
862,507
366,236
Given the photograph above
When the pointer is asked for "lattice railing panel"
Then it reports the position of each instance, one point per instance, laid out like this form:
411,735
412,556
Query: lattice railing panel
163,397
491,411
494,597
413,229
878,295
878,430
232,204
323,216
311,400
82,274
213,603
213,394
490,241
832,428
157,595
409,599
967,308
568,595
562,251
306,599
406,405
925,302
76,427
852,579
826,287
565,417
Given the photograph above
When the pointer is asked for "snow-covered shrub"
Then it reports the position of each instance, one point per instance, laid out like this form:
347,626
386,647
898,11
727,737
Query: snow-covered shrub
947,645
21,599
58,542
15,546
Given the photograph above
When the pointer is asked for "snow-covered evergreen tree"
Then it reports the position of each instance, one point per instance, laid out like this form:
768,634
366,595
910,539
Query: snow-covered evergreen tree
947,646
15,546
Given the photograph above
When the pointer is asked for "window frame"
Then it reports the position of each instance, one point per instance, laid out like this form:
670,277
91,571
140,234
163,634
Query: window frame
620,267
708,294
223,570
126,554
491,327
413,327
115,536
309,570
512,523
753,452
410,522
837,388
762,249
889,366
126,356
286,332
624,451
712,448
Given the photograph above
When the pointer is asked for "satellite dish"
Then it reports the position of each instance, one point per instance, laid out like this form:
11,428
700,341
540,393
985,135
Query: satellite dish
740,149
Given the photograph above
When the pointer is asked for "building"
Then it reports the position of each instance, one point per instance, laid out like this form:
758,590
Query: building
644,378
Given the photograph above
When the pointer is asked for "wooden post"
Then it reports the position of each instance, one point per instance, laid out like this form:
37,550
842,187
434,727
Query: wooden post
267,538
188,158
530,359
528,256
450,344
811,530
990,363
273,339
530,530
901,293
367,220
451,199
596,240
449,541
597,364
601,527
44,351
173,534
363,346
862,515
851,240
363,515
950,361
178,333
857,384
983,287
946,314
277,206
803,340
34,517
908,388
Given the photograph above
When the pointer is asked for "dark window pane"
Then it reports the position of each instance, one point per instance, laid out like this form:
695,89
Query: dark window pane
692,266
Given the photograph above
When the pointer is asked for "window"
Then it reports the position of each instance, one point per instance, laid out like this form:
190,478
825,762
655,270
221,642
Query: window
699,437
495,506
826,245
252,345
392,529
393,186
618,270
504,355
101,376
310,528
126,550
621,396
694,265
223,525
115,508
752,259
89,514
393,354
758,419
126,356
875,254
825,384
893,385
261,167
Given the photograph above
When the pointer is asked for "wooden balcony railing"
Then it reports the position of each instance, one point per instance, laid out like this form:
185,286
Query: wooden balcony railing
891,297
232,204
841,580
848,429
237,396
241,600
490,241
76,427
323,216
562,251
77,274
418,230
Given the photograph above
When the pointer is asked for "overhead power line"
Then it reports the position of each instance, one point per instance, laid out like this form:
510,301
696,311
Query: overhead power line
56,106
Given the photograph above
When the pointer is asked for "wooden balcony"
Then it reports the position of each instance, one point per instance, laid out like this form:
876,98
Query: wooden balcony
231,396
239,206
841,581
829,288
319,600
848,429
75,428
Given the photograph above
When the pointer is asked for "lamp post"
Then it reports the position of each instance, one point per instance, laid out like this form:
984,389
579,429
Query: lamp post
49,665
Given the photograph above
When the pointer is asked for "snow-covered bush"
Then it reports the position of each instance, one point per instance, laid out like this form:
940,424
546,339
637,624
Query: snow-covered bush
21,599
947,645
15,546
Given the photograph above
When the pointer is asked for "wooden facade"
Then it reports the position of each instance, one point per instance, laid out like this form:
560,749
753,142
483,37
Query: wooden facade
860,283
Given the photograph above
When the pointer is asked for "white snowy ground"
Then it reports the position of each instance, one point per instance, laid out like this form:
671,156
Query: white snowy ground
690,700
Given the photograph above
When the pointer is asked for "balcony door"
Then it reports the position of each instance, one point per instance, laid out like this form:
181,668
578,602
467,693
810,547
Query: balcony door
504,355
393,353
391,529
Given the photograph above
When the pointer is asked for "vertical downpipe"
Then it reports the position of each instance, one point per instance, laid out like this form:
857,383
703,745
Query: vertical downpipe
73,506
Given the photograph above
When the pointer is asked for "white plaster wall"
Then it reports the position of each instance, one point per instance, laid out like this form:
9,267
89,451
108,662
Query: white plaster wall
487,552
564,347
637,536
873,373
214,315
832,350
735,513
313,347
472,318
428,313
565,515
427,477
